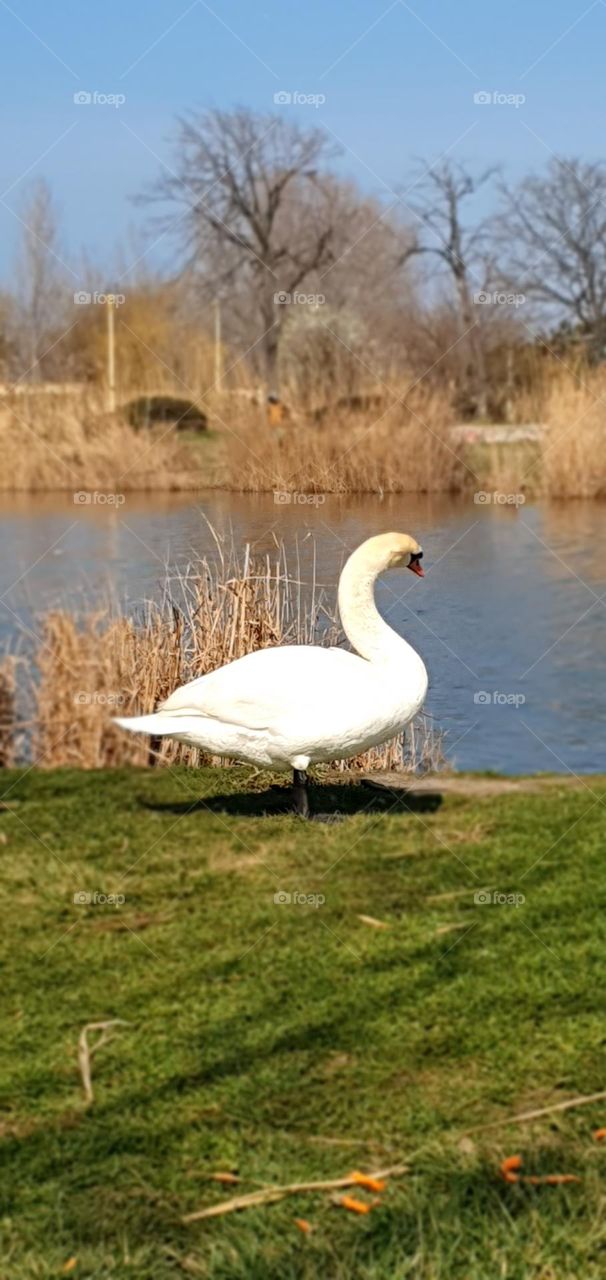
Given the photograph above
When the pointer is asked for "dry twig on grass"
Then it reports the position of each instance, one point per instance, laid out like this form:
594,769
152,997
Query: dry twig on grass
268,1195
375,924
86,1052
522,1118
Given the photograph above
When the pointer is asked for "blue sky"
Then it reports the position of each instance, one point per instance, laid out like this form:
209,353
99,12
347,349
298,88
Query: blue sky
399,80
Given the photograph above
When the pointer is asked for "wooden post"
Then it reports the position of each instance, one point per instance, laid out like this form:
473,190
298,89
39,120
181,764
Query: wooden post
111,354
218,360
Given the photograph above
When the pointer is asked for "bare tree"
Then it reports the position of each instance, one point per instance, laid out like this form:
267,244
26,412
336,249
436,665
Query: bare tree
440,193
554,230
40,276
366,290
257,209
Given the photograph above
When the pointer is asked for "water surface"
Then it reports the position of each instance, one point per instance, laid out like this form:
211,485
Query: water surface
509,619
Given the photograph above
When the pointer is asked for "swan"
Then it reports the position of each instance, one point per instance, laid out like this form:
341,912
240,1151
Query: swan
297,705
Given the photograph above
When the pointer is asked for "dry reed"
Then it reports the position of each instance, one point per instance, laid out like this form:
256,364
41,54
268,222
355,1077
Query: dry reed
101,665
66,441
8,715
377,440
573,453
382,448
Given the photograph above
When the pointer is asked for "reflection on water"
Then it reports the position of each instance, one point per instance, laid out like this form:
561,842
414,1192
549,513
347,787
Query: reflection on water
511,605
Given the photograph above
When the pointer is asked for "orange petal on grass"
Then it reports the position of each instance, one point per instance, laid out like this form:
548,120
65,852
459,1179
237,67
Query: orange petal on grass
227,1178
364,1180
558,1179
599,1135
548,1179
512,1164
69,1266
303,1225
355,1206
508,1166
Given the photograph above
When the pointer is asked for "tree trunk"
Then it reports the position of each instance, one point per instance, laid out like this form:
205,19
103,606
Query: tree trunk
271,342
597,345
477,368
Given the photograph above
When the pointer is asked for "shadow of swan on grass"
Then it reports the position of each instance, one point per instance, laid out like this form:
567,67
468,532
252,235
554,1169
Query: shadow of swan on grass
327,800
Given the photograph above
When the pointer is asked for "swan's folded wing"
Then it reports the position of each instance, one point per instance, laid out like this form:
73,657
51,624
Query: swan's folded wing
259,690
216,701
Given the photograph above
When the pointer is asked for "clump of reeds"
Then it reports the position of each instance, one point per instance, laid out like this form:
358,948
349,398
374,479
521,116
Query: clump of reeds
67,441
573,452
373,439
93,668
390,445
89,670
507,468
8,714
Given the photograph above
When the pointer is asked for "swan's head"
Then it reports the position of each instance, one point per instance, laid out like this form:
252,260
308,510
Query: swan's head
393,551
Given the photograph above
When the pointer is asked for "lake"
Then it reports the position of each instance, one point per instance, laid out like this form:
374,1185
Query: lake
510,618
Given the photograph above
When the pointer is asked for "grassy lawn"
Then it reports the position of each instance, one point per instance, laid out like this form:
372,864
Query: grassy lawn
295,1041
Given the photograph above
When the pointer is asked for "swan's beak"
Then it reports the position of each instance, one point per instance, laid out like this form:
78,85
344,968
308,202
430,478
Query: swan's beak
416,566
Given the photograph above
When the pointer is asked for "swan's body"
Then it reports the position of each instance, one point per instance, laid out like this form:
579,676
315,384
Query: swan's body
301,704
287,707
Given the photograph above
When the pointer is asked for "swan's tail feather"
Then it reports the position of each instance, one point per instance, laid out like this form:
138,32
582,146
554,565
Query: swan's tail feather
158,725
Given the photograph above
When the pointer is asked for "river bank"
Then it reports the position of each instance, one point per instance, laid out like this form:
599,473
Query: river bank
402,439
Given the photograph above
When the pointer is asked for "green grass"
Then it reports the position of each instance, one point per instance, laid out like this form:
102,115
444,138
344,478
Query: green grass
257,1029
206,450
503,466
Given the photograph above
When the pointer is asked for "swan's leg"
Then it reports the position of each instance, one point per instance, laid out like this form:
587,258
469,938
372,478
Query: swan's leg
300,793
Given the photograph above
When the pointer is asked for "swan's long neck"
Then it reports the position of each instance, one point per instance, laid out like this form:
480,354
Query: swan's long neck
363,625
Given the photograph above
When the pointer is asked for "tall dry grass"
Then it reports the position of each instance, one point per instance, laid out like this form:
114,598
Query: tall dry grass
573,451
384,448
568,459
67,441
363,443
8,712
100,665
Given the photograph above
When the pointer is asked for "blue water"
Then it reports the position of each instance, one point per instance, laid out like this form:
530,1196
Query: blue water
511,606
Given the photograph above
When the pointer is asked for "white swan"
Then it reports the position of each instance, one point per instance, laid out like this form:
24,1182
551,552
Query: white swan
301,704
